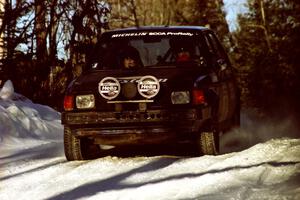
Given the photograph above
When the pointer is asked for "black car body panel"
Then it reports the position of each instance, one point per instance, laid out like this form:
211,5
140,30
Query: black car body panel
127,110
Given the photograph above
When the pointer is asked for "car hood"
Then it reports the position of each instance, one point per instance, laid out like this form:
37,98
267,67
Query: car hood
174,77
170,79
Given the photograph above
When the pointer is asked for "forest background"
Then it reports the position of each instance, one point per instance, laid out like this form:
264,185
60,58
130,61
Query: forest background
44,43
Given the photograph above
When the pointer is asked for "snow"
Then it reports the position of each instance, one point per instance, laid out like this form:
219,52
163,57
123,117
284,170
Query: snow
7,90
22,121
260,161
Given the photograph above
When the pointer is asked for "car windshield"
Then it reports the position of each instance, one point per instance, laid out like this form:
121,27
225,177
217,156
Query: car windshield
148,51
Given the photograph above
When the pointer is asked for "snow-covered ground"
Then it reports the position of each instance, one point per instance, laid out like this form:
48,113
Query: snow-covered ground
33,166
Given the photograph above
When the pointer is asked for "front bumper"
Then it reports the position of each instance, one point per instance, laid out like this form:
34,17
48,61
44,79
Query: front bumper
152,126
102,118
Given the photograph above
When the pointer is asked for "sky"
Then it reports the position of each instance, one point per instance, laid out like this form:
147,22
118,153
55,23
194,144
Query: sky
233,8
257,163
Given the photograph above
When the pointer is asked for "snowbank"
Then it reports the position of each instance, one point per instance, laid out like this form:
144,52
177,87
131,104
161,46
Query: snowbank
20,118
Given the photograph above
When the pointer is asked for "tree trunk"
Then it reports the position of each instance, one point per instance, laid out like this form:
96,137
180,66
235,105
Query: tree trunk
263,16
40,30
53,27
10,29
1,32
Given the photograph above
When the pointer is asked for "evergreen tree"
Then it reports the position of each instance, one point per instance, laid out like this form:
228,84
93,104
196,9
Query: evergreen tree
268,40
205,13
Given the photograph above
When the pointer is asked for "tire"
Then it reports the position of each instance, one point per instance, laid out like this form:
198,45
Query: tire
209,143
79,148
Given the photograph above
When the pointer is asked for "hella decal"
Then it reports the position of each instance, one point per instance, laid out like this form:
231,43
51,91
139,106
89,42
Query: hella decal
148,86
109,88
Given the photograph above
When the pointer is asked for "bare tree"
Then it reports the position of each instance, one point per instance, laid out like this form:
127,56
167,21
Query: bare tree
40,27
53,28
2,2
142,13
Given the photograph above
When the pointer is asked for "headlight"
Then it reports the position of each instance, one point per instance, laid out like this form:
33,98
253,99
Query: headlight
180,97
85,101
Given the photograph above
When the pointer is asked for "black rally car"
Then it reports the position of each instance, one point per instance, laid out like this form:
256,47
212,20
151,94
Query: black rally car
182,88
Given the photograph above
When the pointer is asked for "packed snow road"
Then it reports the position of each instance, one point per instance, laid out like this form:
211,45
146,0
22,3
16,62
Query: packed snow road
33,166
268,170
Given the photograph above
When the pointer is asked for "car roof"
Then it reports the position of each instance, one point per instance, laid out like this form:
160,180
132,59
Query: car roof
157,28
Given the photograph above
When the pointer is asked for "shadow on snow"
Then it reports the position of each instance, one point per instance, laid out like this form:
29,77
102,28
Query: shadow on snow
114,183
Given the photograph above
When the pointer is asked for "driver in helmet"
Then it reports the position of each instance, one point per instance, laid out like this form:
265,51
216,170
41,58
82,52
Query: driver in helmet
130,58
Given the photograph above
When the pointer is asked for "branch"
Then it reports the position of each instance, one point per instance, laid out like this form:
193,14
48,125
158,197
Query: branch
265,32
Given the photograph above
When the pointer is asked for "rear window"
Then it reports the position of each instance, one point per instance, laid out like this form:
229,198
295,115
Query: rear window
149,49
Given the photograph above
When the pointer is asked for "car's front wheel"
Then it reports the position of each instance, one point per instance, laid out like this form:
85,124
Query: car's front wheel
208,142
79,148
